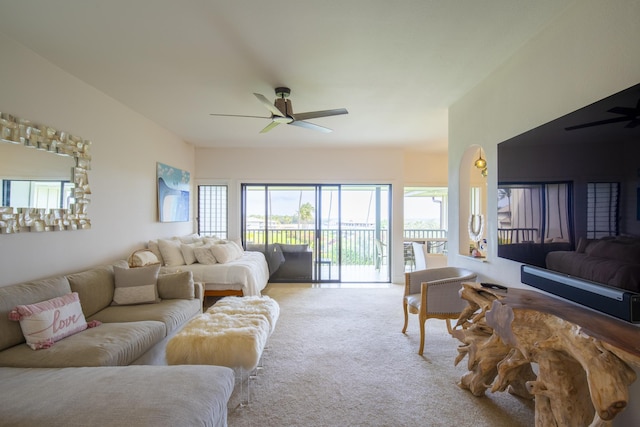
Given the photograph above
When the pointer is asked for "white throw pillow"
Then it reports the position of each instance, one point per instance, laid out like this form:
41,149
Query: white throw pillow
212,240
204,255
190,238
238,244
171,253
188,252
226,252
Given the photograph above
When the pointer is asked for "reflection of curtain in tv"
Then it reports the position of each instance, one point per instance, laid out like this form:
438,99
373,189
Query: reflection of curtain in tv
526,209
557,210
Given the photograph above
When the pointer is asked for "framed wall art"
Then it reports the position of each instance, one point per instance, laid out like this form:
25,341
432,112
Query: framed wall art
173,193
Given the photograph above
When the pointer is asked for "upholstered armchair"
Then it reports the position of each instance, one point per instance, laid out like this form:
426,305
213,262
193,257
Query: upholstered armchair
434,293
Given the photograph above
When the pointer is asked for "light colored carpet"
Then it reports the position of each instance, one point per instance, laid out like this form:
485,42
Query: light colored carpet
337,358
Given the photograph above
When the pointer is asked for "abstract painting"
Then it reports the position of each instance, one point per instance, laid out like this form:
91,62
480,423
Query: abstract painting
173,193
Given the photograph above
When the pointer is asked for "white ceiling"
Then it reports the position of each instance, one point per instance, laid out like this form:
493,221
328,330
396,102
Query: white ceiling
396,66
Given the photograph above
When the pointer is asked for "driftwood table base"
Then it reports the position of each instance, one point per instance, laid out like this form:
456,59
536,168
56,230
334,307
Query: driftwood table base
528,344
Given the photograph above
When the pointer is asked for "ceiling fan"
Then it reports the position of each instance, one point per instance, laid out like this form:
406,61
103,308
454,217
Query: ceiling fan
630,114
282,112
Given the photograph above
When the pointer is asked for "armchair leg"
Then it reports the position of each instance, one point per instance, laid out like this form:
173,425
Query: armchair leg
406,317
422,333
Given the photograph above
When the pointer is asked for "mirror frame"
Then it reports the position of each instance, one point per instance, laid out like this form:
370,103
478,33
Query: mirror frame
42,137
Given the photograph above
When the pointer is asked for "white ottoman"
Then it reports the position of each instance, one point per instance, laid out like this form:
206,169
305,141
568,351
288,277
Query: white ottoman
232,333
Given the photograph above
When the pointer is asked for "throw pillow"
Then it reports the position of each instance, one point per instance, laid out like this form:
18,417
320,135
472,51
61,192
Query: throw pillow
226,252
176,285
204,255
238,245
171,253
190,238
49,321
212,239
188,254
153,247
136,285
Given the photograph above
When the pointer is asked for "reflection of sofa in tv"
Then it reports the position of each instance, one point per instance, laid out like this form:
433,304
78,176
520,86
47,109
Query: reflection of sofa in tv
614,261
532,253
287,263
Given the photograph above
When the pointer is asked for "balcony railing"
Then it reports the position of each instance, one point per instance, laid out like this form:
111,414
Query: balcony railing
358,245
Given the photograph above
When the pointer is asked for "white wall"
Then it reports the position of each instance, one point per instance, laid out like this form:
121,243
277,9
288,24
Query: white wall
125,149
590,52
330,166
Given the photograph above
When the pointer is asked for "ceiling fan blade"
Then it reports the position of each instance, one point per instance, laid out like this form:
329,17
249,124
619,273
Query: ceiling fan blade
633,123
238,115
310,126
625,111
316,114
598,123
268,127
268,105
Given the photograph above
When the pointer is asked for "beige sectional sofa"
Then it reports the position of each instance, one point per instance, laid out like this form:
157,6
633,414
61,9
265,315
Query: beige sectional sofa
133,334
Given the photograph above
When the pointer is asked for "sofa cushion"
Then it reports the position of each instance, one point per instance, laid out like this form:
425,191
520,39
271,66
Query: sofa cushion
95,287
116,396
136,285
109,344
171,312
46,322
620,249
25,293
176,285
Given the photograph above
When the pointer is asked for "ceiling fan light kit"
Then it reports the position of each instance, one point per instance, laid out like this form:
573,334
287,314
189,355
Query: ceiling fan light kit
282,112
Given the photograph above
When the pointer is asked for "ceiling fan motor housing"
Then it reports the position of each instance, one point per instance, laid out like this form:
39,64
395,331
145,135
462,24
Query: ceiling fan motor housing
283,92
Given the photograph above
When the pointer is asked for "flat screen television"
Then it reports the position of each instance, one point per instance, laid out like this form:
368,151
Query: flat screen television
569,204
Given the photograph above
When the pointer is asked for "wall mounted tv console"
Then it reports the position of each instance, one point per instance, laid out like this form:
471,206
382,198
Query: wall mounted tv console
622,304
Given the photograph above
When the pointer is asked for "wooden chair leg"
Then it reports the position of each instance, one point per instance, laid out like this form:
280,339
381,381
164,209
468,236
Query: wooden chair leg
422,333
406,317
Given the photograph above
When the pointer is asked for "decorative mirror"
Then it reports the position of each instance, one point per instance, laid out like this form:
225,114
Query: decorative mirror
476,227
43,176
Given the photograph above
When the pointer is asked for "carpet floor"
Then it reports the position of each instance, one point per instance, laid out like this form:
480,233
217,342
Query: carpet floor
337,358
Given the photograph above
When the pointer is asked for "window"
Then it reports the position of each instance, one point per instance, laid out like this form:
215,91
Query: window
602,209
36,194
343,227
425,208
212,210
534,213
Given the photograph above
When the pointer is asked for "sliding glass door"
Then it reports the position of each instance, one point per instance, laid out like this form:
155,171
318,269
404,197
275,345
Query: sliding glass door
319,232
